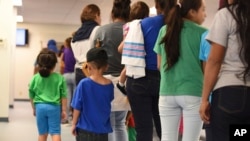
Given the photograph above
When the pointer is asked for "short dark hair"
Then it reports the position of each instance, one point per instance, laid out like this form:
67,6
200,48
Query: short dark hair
98,57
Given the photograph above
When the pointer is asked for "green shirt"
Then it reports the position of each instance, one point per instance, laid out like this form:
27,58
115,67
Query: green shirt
186,76
48,90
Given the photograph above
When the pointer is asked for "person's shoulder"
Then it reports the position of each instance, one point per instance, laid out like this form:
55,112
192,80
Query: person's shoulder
85,81
56,74
224,13
106,26
153,18
108,82
195,26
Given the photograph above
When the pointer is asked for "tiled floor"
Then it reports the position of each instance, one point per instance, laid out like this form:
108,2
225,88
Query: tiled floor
22,126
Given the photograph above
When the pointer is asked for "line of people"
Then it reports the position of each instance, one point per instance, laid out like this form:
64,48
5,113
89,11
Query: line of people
164,59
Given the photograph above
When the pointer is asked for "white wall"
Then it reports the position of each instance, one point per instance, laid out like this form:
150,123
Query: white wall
25,56
7,36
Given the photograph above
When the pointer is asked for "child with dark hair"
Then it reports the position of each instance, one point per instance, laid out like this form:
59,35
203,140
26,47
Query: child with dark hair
139,10
110,36
48,92
92,100
181,70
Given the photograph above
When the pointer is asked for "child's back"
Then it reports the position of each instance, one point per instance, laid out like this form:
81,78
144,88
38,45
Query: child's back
92,100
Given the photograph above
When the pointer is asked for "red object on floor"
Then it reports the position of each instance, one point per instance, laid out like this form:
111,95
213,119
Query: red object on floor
181,126
131,122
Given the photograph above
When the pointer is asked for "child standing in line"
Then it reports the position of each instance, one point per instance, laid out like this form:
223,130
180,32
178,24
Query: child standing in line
48,92
177,49
139,10
92,100
131,126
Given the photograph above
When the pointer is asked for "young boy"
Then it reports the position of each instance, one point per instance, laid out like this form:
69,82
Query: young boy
92,100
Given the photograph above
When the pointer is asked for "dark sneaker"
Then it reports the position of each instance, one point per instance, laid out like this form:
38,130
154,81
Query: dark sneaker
121,88
64,122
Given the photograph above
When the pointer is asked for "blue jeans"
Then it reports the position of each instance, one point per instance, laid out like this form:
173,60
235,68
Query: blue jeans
79,75
143,95
118,119
71,85
230,105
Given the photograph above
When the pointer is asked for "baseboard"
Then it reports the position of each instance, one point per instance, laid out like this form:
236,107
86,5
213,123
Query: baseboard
16,99
4,119
11,106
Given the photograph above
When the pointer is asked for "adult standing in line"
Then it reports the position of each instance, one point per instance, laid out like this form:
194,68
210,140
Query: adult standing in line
110,36
143,93
68,64
82,38
181,70
227,70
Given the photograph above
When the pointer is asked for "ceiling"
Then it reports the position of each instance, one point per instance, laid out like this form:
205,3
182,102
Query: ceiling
68,11
63,11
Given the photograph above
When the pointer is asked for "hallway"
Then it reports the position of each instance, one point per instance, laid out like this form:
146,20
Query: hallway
22,125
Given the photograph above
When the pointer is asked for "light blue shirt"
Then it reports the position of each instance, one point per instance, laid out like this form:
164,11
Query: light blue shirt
204,47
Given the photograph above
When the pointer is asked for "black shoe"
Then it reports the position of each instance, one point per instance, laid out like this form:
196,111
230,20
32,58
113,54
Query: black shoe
121,88
64,121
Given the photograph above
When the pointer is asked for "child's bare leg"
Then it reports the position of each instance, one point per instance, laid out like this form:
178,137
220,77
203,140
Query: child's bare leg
43,137
56,137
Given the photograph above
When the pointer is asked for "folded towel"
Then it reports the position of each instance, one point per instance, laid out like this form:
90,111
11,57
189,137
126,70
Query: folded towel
133,54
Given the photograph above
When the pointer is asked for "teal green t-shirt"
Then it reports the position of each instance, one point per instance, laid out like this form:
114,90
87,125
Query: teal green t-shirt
48,90
186,76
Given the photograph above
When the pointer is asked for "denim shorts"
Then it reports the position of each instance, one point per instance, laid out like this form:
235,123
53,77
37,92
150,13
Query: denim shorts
48,118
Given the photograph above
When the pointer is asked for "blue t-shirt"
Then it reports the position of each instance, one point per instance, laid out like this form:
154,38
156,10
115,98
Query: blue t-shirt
150,28
204,51
204,47
93,100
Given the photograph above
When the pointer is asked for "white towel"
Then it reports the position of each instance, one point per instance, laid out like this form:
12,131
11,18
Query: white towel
133,54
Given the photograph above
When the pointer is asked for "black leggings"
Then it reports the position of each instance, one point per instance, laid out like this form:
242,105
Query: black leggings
83,135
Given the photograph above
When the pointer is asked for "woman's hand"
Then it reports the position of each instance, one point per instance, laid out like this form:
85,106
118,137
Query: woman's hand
205,111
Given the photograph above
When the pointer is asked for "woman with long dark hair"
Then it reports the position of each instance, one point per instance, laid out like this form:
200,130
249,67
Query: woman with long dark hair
227,70
177,49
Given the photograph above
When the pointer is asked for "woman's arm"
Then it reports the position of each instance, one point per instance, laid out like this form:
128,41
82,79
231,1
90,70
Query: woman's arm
212,69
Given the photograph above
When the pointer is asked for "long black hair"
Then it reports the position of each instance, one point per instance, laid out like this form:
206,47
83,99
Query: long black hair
240,10
174,24
46,61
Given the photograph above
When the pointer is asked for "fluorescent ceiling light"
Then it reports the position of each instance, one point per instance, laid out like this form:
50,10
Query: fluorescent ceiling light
19,18
17,2
152,11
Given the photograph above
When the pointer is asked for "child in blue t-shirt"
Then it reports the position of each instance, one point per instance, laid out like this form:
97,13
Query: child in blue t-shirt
204,53
92,100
